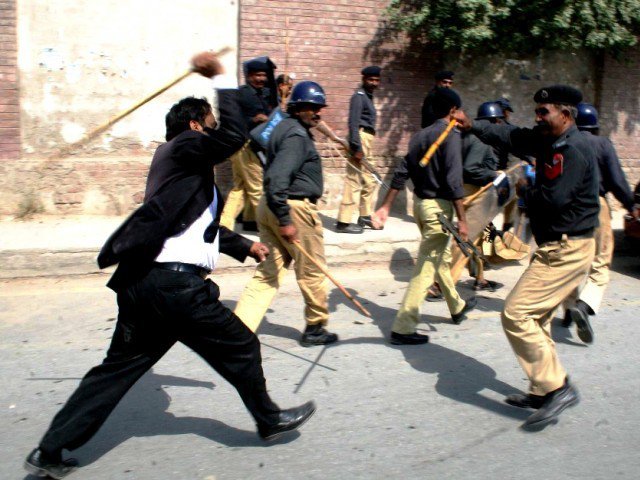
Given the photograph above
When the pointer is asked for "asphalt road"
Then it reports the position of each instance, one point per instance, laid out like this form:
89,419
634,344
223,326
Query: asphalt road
432,411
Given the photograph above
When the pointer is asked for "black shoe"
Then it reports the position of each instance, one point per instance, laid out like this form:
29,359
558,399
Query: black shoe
288,420
459,317
553,405
580,315
567,320
408,338
487,285
367,222
522,400
40,465
250,226
317,335
348,228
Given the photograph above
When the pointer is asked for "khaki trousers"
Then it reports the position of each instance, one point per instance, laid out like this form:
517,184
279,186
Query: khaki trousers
598,279
359,185
434,256
556,270
246,169
259,292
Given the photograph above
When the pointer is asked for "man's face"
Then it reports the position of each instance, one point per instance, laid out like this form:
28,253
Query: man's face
285,88
308,113
445,83
257,79
370,83
550,119
209,122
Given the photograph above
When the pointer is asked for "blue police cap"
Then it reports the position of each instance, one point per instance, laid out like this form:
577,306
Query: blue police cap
371,71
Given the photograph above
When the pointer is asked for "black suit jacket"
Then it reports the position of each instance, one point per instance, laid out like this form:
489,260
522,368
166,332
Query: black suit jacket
179,188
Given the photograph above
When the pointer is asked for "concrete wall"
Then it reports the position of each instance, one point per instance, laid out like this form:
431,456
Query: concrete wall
75,73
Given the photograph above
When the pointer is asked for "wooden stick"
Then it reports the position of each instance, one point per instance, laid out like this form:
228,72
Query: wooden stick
330,277
434,146
105,126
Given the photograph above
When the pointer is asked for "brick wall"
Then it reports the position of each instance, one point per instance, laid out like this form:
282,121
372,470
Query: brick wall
9,107
620,110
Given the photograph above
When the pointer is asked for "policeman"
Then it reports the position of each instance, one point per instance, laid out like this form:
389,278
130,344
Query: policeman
563,207
444,79
288,214
359,184
256,102
438,187
612,179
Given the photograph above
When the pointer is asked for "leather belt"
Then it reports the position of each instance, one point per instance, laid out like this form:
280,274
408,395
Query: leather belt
183,267
368,130
580,235
296,197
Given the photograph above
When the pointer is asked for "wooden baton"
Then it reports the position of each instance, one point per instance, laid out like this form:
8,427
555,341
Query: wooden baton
105,126
330,277
434,146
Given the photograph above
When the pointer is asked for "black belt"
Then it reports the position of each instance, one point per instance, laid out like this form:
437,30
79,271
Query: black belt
299,197
369,130
578,235
183,267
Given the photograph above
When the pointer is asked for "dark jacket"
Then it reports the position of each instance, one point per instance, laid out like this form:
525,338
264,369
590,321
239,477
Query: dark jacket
179,188
564,198
612,177
362,114
478,162
294,168
442,177
253,102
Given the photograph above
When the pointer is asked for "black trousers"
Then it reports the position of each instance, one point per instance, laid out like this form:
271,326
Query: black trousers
154,313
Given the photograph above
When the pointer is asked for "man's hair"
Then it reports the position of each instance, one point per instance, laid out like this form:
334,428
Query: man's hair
283,78
572,110
181,113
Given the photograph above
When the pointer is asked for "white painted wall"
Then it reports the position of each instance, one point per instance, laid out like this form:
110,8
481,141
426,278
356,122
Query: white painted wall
83,62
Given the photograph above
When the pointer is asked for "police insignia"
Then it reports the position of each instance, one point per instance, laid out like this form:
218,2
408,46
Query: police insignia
553,167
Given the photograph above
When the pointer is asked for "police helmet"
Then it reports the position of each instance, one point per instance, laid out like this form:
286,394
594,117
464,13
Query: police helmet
307,92
489,110
587,116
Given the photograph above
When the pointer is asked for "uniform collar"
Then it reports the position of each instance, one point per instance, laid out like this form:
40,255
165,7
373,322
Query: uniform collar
561,141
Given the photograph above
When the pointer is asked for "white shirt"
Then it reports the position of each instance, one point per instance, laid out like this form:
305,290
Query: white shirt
189,246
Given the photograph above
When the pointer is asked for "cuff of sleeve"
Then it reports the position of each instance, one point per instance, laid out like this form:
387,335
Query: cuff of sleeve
284,221
225,81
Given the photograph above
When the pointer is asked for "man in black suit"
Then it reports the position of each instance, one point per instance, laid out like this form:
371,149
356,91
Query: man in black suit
165,250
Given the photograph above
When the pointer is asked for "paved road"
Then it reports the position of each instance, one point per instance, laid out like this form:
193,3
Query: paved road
431,411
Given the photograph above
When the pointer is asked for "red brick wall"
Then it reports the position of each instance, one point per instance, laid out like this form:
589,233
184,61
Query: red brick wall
329,42
9,108
620,110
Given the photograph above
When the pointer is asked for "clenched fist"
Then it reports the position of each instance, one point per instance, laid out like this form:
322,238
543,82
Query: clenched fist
206,64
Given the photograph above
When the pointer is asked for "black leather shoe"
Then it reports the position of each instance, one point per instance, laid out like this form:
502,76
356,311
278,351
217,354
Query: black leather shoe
366,222
250,226
552,406
522,400
40,465
487,285
408,338
580,315
469,305
348,228
317,335
567,320
288,420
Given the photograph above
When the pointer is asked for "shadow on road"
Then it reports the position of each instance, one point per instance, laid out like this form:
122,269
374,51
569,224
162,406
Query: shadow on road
460,377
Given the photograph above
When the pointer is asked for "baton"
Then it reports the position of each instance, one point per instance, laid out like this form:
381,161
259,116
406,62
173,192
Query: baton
105,126
330,277
434,146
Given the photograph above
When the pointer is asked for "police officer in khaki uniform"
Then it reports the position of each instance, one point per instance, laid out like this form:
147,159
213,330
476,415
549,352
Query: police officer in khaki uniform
563,207
612,180
288,214
359,185
438,187
257,100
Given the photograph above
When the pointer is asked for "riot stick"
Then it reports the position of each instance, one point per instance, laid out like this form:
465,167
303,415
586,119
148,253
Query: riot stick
434,146
108,124
467,201
330,277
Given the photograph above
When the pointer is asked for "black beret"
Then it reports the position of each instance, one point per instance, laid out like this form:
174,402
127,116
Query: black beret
256,65
371,71
444,74
504,104
443,100
558,94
